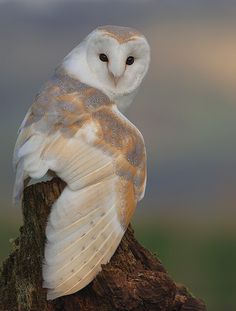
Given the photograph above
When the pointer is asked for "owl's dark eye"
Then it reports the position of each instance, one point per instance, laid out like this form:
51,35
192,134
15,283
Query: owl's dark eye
130,60
103,58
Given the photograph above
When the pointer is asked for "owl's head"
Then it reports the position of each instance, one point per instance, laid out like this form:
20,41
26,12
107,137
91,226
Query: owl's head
113,59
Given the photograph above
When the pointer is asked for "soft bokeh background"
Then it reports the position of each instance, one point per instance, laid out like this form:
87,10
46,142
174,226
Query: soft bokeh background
186,111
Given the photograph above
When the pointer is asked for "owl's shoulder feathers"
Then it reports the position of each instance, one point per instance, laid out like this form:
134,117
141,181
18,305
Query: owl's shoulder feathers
66,109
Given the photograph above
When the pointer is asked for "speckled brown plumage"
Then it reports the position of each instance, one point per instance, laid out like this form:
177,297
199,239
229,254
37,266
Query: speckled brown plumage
65,105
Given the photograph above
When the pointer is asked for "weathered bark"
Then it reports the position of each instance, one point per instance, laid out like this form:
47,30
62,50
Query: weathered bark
134,279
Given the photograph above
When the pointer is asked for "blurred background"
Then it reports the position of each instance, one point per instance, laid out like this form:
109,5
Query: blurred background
185,109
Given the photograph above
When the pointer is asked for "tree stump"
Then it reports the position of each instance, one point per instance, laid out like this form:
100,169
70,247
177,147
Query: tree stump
133,280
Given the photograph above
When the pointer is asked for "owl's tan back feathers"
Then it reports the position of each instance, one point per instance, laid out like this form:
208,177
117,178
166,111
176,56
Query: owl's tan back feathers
77,132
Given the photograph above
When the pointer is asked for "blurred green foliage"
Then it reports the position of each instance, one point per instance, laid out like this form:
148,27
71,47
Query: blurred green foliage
203,259
9,230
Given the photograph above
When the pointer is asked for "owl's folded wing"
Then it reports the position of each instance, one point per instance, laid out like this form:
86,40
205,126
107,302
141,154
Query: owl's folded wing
102,159
86,223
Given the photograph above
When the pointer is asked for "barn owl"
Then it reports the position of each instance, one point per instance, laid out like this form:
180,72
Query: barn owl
75,128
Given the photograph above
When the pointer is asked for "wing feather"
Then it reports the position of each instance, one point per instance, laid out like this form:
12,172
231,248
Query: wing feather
101,157
72,252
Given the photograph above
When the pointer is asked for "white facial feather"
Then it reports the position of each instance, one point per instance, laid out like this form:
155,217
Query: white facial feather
118,80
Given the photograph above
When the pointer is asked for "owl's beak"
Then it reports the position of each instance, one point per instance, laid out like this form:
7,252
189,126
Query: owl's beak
116,71
115,78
